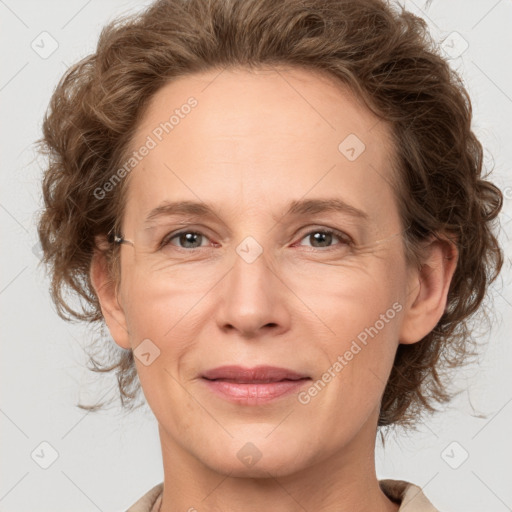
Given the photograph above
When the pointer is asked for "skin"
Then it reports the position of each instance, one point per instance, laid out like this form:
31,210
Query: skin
255,141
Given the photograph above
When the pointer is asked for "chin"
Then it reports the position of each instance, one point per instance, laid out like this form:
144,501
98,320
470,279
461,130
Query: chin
258,456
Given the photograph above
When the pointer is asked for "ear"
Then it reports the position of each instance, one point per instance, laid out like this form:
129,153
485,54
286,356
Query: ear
428,289
106,289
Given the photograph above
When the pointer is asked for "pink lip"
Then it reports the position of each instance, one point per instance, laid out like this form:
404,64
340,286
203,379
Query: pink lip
253,386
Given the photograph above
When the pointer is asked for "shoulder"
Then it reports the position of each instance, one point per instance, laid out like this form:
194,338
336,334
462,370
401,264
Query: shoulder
407,494
148,500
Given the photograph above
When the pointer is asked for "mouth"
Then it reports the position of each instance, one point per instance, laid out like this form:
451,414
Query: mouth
253,386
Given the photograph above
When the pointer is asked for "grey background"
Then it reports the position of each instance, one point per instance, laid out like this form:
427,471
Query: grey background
106,461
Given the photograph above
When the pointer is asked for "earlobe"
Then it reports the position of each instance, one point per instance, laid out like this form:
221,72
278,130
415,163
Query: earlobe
105,288
428,290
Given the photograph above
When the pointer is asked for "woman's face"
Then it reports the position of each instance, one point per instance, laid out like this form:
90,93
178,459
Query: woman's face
258,282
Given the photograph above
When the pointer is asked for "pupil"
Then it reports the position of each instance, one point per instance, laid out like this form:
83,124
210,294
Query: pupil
188,238
321,238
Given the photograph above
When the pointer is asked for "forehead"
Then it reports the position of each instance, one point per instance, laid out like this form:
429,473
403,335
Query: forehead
253,139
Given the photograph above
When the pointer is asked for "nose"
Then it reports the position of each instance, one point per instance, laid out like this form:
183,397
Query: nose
252,300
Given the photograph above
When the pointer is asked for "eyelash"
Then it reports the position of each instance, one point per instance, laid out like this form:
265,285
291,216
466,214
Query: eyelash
344,238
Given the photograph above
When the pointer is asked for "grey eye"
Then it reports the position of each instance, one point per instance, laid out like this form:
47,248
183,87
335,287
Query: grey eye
323,238
186,239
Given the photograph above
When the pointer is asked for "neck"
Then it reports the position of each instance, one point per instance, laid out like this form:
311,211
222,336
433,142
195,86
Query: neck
344,482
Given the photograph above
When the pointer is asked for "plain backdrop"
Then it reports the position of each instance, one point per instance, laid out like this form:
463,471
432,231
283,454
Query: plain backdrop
106,461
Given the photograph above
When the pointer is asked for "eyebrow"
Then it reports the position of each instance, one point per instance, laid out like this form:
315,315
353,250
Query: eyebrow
296,208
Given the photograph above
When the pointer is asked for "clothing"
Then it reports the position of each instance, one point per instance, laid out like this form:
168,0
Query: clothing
399,491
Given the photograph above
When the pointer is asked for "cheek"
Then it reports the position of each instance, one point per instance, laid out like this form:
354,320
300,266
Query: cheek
350,295
163,312
163,304
165,315
359,309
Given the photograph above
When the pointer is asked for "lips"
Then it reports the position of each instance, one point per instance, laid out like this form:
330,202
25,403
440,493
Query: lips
253,386
257,375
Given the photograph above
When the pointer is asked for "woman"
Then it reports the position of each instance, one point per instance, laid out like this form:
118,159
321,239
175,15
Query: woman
277,209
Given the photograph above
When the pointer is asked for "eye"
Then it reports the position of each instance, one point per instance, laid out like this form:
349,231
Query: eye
319,238
324,237
189,239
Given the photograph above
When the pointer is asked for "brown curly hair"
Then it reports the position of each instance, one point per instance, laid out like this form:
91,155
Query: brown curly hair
383,53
